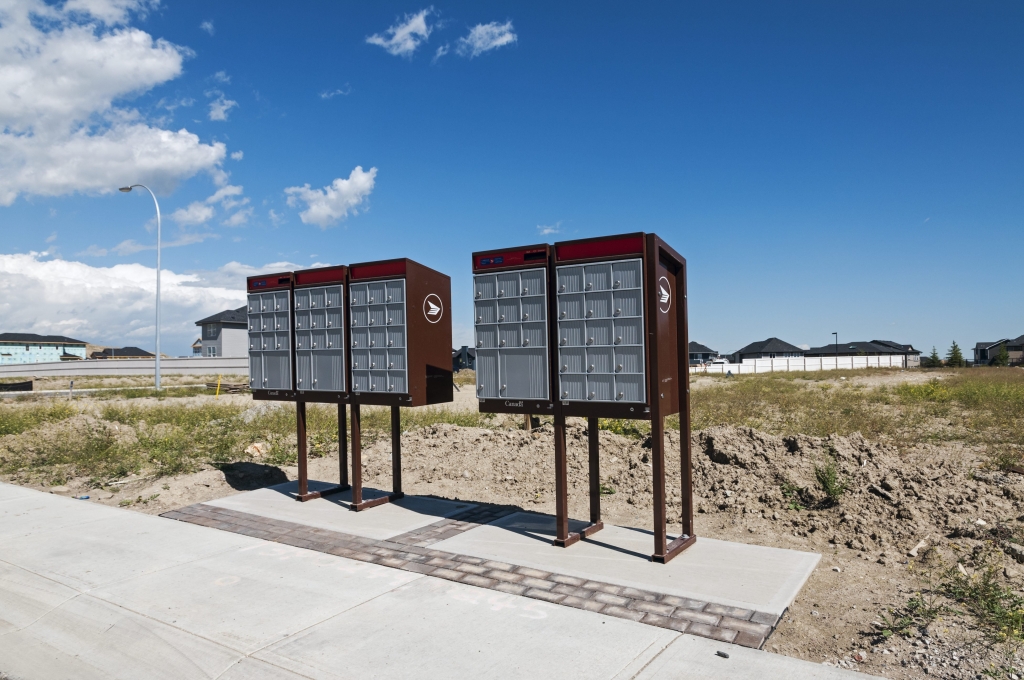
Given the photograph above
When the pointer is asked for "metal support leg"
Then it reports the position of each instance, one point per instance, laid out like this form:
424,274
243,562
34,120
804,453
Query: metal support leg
663,550
357,460
396,463
594,452
342,448
300,433
562,536
304,493
396,452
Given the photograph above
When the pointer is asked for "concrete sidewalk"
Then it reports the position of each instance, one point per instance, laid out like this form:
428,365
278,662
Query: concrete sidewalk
88,591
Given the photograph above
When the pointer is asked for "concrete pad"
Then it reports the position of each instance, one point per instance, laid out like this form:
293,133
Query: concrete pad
733,574
9,491
34,512
89,638
380,523
122,545
695,657
253,669
236,598
26,597
440,629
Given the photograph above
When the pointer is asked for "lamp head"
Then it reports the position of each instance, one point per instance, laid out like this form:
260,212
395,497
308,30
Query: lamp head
125,189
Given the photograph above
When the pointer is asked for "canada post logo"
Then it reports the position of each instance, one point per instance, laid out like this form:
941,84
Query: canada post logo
664,295
433,310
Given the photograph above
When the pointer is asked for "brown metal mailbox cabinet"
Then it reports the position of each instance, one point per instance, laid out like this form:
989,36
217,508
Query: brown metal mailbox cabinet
511,322
270,336
400,334
621,336
320,334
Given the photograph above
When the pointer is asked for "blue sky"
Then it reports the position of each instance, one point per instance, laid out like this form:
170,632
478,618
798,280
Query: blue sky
823,167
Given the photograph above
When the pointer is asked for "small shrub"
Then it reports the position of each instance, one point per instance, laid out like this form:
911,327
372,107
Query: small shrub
830,481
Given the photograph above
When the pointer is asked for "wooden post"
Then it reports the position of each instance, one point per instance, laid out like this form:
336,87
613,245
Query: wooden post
562,536
342,447
300,431
658,470
396,451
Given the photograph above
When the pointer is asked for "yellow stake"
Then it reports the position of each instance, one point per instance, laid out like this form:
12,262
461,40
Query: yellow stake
218,388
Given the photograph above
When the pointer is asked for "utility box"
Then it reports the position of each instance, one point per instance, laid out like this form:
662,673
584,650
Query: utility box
511,320
270,336
400,334
319,298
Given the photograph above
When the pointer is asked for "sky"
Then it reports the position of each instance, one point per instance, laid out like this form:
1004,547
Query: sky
853,167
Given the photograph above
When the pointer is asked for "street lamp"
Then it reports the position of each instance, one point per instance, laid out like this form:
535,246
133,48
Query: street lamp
126,190
837,350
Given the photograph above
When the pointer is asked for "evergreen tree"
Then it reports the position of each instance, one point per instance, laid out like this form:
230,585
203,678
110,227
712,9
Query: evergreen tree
934,361
955,357
1003,358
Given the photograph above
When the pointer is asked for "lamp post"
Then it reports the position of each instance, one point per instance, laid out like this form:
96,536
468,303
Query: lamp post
837,350
157,365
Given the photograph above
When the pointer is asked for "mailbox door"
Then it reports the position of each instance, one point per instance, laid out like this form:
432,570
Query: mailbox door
379,353
600,331
269,355
511,328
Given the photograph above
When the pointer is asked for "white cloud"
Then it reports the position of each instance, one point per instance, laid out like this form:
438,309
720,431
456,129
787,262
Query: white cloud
404,37
207,26
275,218
221,77
131,246
239,218
333,203
237,155
62,67
485,37
220,106
226,196
196,213
51,238
331,94
113,305
441,51
547,229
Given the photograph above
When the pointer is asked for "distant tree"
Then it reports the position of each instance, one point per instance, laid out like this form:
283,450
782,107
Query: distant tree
1003,358
934,360
954,357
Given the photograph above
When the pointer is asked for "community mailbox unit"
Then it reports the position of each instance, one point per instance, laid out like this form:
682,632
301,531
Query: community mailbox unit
616,347
369,333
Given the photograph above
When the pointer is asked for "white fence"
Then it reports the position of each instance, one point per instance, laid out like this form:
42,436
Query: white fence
168,366
804,364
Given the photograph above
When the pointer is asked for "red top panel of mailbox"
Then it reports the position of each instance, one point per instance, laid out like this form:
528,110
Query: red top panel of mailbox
257,284
513,257
595,248
377,270
320,276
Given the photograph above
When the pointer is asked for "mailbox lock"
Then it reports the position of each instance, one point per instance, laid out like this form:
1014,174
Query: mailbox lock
590,396
314,345
618,368
561,315
500,293
390,387
373,364
525,316
312,304
355,343
525,291
479,343
389,299
590,368
616,284
372,343
620,395
328,324
561,288
618,339
590,341
501,317
563,341
371,322
618,312
565,393
501,343
590,313
390,342
389,321
589,285
391,365
328,344
504,387
371,300
478,293
565,368
300,380
526,342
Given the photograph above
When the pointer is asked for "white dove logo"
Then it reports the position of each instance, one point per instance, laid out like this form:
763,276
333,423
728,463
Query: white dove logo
664,295
433,308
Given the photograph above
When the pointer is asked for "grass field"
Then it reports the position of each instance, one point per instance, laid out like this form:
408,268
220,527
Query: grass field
115,433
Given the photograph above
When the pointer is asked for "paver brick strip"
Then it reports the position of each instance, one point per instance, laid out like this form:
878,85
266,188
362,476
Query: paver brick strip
411,552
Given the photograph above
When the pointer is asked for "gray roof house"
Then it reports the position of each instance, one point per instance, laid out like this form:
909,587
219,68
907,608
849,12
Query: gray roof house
225,334
986,352
700,354
772,348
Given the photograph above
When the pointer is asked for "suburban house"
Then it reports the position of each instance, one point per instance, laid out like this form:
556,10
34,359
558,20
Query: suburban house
772,348
122,353
29,348
225,334
874,348
986,352
701,354
463,358
197,347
